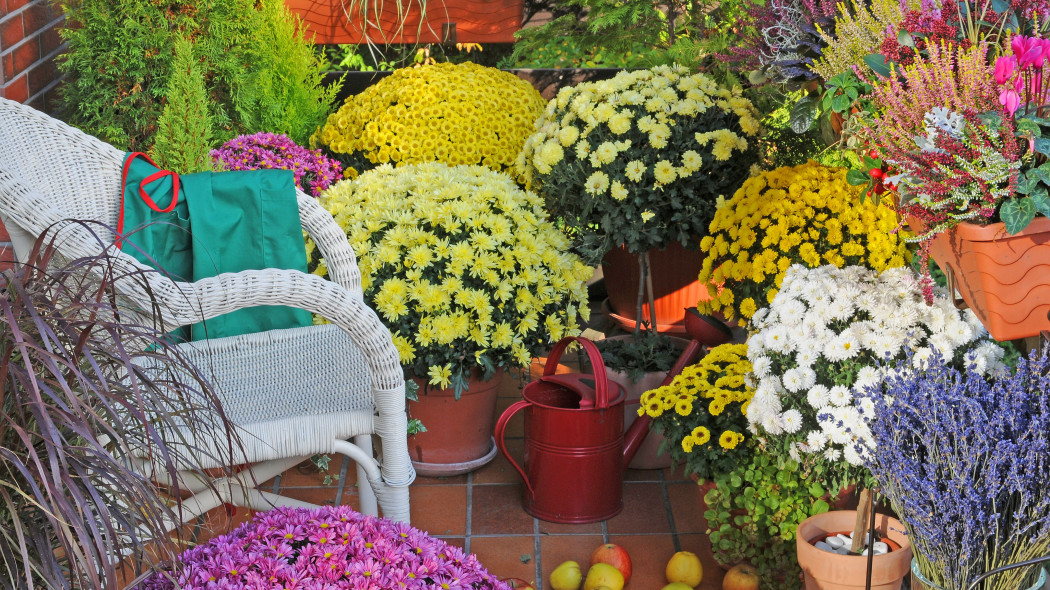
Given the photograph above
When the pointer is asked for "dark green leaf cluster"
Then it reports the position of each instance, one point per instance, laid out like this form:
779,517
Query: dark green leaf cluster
636,355
121,52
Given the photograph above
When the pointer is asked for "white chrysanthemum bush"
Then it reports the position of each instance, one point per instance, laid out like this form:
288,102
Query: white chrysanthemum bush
640,160
462,266
831,332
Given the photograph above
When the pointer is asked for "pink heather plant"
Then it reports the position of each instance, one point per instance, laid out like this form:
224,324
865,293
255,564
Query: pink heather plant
313,171
951,77
327,548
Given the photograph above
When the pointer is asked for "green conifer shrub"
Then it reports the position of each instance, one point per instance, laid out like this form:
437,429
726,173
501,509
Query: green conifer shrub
184,130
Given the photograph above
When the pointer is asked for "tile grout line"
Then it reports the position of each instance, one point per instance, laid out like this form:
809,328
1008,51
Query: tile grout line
538,568
670,514
605,531
470,503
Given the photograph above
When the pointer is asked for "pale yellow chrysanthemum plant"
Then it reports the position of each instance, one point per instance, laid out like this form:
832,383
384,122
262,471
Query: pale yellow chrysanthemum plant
462,266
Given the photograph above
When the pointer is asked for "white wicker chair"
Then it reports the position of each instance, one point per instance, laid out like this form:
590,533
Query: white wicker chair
291,393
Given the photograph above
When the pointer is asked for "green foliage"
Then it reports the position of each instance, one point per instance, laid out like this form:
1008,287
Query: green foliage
288,96
753,512
615,33
121,54
639,354
184,130
783,146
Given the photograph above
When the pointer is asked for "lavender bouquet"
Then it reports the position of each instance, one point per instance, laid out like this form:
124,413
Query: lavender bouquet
965,461
327,547
313,171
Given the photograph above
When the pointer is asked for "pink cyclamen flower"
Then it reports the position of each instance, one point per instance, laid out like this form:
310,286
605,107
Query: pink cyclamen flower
1033,55
1010,100
1017,45
1004,68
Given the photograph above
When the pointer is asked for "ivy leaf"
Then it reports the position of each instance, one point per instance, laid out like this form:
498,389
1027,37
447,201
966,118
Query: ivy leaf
815,490
857,177
1041,201
1017,214
803,114
525,558
820,507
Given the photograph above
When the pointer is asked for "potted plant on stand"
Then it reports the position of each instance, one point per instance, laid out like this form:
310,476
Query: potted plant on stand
634,167
471,278
961,458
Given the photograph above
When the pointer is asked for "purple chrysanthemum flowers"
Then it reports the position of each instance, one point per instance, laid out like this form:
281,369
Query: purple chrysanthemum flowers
328,547
313,171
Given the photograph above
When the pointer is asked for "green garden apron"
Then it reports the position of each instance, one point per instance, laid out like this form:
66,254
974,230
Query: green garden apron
199,225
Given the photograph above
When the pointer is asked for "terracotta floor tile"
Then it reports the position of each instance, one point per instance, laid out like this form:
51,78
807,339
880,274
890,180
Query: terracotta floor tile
556,528
687,507
502,556
652,475
643,511
701,546
497,510
649,555
500,470
450,480
557,549
439,510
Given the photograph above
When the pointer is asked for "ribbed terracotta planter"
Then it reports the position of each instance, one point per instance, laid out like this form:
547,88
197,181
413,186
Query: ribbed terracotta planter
674,272
829,571
1004,279
459,432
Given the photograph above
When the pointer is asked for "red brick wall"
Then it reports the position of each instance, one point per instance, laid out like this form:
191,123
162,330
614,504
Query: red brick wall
29,43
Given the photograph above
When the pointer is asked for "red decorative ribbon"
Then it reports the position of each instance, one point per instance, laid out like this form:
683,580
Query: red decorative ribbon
146,198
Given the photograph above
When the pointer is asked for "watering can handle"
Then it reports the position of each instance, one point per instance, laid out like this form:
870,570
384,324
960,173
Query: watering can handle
601,379
501,431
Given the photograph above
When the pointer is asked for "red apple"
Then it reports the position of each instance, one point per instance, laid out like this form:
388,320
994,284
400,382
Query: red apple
615,556
741,577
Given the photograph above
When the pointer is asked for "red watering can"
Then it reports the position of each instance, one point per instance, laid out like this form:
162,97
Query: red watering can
575,446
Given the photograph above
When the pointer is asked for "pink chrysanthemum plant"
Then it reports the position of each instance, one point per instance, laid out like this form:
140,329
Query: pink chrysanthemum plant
327,547
314,172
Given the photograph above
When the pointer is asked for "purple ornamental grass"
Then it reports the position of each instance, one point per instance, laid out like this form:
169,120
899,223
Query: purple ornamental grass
332,547
313,171
965,462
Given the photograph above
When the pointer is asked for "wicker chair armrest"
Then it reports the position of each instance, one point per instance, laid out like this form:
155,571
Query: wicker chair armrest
331,240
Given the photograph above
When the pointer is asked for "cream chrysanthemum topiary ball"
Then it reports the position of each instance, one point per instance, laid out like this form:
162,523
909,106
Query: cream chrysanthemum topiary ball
448,113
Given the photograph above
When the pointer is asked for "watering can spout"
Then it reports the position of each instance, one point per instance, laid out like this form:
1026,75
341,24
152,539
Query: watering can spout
634,437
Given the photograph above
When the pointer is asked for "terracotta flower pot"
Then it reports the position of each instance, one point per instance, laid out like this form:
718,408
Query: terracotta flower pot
674,272
459,432
829,571
1004,279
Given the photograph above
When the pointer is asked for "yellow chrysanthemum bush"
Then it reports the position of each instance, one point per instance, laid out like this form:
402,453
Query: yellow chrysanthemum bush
703,412
449,113
805,215
640,160
461,265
